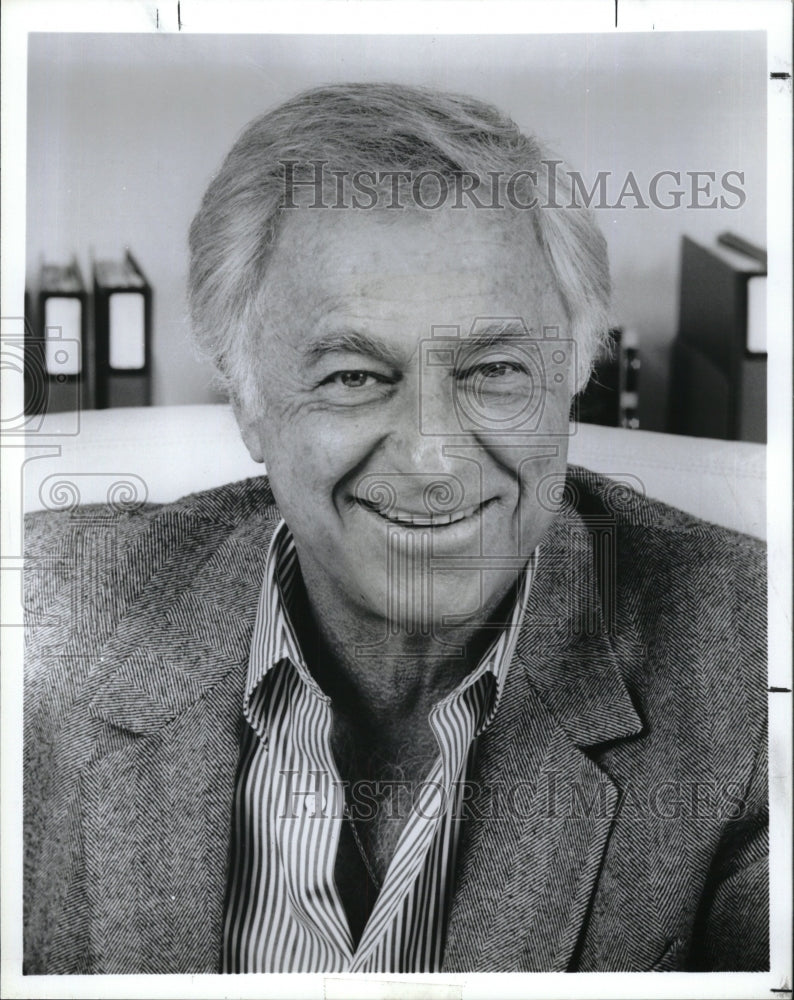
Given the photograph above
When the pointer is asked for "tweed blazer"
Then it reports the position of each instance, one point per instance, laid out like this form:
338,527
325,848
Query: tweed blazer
620,822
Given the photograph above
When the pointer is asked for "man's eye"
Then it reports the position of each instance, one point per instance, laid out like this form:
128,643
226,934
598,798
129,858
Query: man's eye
351,386
354,379
497,369
493,371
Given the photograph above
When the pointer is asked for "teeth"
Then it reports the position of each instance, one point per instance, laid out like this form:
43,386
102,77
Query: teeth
428,520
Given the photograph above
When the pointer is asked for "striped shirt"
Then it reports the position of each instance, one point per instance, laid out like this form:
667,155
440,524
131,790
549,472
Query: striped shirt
283,911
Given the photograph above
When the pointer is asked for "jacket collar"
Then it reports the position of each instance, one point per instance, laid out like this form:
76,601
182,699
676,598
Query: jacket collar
568,643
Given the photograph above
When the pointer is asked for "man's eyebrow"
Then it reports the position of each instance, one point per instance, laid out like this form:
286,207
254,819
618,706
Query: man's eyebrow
353,342
497,331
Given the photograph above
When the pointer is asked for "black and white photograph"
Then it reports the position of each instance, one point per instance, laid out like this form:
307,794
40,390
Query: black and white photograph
397,482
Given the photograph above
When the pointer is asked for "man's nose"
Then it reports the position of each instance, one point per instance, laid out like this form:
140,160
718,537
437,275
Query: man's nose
426,424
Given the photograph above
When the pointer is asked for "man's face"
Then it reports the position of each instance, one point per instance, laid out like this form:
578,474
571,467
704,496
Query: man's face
411,410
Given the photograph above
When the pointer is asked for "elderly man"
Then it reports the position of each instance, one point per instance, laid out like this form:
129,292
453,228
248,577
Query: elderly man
422,699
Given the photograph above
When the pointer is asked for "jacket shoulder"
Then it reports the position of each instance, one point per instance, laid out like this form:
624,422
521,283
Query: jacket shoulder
86,567
674,569
663,530
688,614
48,531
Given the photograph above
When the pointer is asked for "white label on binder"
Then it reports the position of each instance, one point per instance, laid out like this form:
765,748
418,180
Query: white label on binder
756,314
127,331
62,332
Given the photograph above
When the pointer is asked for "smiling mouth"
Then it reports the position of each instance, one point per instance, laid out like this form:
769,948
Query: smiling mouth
409,519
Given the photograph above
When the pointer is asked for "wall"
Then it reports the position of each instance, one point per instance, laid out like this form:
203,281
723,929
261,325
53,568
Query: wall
124,133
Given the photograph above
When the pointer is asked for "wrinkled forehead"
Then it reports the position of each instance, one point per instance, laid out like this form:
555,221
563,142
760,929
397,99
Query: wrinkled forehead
452,263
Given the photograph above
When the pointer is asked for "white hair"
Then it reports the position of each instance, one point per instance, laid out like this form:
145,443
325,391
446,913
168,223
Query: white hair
380,128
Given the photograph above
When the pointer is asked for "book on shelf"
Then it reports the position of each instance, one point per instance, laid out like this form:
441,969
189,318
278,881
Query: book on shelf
122,333
58,356
718,372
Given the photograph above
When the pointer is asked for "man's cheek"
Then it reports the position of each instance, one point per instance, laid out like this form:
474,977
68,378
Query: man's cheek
542,478
555,418
292,456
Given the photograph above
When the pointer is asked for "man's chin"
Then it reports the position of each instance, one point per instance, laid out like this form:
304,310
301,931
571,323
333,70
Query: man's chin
431,603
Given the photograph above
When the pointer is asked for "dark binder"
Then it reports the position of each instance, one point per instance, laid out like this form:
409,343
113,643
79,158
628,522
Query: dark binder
718,372
58,358
611,397
122,333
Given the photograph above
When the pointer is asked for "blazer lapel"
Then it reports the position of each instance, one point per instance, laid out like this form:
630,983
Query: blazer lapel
157,794
529,863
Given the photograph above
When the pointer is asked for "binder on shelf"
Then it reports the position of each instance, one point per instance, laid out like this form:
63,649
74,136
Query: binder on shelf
122,333
630,365
718,383
58,359
33,366
611,397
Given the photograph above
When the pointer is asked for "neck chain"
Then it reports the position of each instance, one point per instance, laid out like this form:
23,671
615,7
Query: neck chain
360,848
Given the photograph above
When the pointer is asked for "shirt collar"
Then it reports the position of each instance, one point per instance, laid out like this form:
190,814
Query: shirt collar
275,639
496,661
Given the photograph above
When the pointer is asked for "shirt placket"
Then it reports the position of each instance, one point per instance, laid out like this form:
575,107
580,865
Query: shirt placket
413,847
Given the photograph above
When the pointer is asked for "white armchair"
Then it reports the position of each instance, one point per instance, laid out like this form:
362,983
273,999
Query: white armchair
162,453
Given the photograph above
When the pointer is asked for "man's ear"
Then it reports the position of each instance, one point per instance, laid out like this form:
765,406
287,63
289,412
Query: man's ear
249,430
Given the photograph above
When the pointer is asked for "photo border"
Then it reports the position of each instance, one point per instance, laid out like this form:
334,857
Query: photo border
20,17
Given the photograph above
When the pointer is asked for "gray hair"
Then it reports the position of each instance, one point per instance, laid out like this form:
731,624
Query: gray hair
375,127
